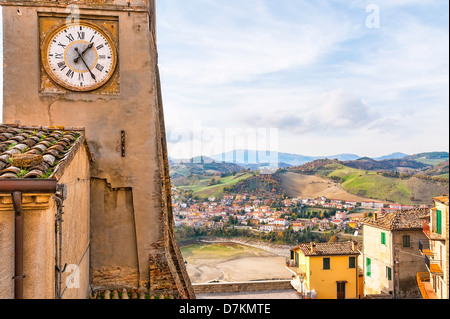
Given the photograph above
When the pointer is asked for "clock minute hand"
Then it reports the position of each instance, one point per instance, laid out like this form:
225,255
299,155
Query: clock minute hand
84,51
79,54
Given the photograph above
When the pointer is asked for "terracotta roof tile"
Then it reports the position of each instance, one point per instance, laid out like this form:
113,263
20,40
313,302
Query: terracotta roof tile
328,249
443,199
399,219
36,151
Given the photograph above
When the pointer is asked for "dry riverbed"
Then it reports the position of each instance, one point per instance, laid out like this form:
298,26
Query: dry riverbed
230,262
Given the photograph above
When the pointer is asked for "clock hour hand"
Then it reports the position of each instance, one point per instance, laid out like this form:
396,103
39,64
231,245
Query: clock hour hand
84,51
79,55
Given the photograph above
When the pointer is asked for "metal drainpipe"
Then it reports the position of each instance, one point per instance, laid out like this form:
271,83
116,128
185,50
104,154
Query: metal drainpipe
18,243
17,187
61,195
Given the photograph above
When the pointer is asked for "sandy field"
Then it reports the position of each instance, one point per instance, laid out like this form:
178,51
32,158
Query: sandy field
255,295
226,262
298,185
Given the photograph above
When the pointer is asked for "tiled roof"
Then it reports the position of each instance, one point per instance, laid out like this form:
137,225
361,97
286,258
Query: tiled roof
36,152
399,219
328,249
128,294
443,199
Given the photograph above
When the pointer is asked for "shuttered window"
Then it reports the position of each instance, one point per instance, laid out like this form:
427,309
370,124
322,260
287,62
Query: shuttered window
406,241
439,222
389,273
368,267
352,262
326,263
383,238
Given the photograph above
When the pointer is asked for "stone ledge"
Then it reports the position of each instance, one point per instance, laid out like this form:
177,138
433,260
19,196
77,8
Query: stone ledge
242,286
29,202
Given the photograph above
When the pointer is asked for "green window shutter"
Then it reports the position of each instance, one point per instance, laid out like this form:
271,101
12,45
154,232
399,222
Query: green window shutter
389,273
383,238
439,222
352,262
326,263
368,267
406,241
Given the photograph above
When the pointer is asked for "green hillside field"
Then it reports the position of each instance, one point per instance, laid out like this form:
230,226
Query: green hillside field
409,191
203,190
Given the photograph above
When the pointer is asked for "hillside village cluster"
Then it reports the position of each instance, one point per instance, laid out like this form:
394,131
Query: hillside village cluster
403,251
262,215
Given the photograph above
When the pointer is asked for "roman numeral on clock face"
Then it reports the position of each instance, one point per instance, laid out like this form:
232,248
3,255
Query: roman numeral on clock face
70,37
70,73
62,65
99,67
80,57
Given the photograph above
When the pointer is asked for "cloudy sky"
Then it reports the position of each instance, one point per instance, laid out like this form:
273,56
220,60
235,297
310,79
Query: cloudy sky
311,77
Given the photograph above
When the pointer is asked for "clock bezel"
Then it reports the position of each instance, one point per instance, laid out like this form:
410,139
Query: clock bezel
46,62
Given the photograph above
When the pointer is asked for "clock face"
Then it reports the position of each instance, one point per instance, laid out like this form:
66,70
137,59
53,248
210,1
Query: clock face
79,57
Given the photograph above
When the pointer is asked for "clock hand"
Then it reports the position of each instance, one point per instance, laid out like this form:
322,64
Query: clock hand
92,74
82,53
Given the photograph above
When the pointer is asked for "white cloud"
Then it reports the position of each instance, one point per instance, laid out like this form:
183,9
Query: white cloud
310,68
337,111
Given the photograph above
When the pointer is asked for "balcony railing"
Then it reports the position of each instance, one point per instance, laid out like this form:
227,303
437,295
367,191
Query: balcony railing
424,246
431,232
423,281
433,265
426,229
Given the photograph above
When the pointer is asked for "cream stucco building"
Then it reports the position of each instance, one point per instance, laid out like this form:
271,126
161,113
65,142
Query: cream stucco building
433,283
390,255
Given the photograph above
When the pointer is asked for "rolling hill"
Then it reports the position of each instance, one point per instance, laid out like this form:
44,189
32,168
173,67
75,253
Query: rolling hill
413,179
201,166
431,158
386,164
203,187
374,184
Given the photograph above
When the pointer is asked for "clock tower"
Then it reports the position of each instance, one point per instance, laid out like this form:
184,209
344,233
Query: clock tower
93,64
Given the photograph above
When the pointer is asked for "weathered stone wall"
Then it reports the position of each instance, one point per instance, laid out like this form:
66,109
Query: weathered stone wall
242,286
113,246
410,263
136,109
75,226
41,242
39,246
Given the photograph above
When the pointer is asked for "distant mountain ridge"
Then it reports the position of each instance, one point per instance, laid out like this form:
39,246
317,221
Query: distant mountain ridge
252,157
255,159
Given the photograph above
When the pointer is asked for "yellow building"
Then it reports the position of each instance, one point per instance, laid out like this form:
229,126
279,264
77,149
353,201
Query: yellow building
329,270
434,283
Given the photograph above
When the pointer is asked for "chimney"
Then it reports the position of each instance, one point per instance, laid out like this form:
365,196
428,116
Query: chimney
375,216
313,247
354,245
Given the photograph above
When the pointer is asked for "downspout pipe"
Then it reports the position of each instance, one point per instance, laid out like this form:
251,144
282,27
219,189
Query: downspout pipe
18,244
17,187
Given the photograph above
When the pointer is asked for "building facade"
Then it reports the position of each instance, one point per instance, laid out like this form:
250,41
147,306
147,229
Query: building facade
45,237
433,283
390,256
327,270
94,64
